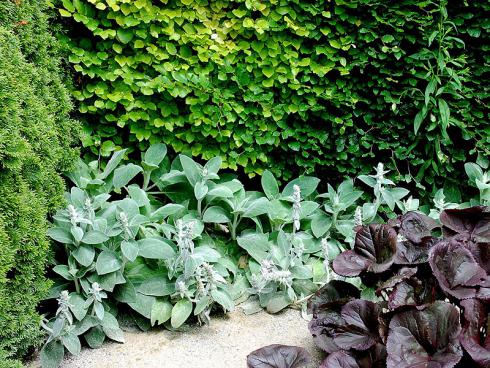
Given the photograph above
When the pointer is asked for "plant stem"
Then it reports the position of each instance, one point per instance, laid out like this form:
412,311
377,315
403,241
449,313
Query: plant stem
234,225
77,285
199,207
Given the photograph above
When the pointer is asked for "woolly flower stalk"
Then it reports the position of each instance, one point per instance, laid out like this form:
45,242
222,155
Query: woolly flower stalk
124,221
358,216
181,289
64,306
97,292
270,272
298,248
207,279
184,236
380,177
75,217
380,172
326,262
296,207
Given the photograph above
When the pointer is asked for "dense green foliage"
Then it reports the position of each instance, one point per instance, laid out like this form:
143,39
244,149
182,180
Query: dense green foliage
35,138
166,241
333,86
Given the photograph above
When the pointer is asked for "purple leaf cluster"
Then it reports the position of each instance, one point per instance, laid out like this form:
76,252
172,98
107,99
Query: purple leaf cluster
433,295
432,283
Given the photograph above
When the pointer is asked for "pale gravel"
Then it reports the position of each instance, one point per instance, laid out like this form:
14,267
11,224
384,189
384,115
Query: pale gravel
225,343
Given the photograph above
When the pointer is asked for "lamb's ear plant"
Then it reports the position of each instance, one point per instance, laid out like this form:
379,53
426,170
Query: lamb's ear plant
123,246
385,193
284,268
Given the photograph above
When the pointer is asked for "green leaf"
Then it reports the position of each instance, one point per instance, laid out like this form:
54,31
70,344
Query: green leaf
429,90
138,195
94,237
130,249
52,354
220,191
180,312
77,233
473,171
71,343
107,262
320,224
257,245
200,190
77,306
257,207
161,312
307,184
157,286
112,164
387,38
444,112
124,174
125,35
213,165
63,271
155,248
61,235
216,215
191,170
223,298
155,154
277,303
168,210
68,5
95,337
110,326
84,255
64,13
269,185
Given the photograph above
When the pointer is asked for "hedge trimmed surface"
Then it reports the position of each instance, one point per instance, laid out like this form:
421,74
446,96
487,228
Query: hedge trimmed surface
36,134
331,82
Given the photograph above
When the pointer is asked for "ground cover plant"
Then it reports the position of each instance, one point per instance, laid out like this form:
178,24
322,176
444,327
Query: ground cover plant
36,138
431,297
165,241
256,81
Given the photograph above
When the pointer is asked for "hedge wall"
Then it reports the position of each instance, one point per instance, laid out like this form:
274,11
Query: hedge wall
36,134
333,86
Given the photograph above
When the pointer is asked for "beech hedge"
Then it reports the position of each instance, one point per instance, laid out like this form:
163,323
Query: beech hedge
329,86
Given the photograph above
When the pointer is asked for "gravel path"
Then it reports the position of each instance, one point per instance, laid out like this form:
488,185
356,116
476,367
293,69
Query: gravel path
224,344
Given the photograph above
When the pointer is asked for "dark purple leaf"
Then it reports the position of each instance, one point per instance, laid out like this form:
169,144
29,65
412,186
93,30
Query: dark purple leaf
425,338
408,253
473,222
340,359
374,251
372,358
456,269
361,328
332,292
278,356
323,327
403,294
377,243
415,226
349,263
474,337
403,274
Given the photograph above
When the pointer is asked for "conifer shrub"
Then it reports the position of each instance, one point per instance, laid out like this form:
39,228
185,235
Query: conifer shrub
36,137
